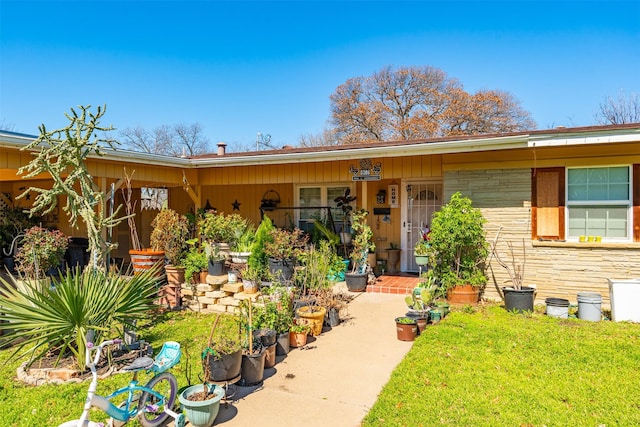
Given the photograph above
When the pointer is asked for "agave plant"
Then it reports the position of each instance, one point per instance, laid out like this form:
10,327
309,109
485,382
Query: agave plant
59,318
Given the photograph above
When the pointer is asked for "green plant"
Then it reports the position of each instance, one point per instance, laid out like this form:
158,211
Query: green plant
405,320
344,202
459,244
195,260
40,250
252,273
212,251
362,241
323,230
258,258
58,319
315,264
170,234
299,326
244,242
283,244
220,228
62,155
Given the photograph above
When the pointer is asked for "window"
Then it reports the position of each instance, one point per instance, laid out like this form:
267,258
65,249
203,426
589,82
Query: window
599,202
567,203
317,196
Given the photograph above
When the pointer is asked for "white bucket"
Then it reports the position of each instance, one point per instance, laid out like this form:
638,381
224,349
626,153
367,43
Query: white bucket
625,300
589,306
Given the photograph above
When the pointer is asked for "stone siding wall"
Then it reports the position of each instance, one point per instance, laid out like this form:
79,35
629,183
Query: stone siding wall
557,269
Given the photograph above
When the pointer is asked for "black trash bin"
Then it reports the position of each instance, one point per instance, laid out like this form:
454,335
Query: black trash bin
77,255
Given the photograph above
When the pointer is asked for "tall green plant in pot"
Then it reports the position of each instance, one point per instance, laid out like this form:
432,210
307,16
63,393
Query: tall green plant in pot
170,234
362,244
459,249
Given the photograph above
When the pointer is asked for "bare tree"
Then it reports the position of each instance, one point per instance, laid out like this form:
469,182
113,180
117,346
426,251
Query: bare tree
181,139
190,139
619,111
4,125
419,102
326,138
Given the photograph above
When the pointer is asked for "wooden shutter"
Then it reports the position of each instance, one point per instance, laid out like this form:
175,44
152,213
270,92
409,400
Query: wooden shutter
547,203
635,170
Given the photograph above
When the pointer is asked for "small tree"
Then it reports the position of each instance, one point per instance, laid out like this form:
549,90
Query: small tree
62,155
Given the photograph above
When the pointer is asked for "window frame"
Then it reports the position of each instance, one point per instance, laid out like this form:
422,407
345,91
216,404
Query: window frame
628,203
323,195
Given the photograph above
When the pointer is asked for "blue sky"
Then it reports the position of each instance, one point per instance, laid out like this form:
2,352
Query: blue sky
239,68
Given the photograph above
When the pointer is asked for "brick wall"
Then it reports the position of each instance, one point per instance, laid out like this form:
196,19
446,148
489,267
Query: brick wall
557,269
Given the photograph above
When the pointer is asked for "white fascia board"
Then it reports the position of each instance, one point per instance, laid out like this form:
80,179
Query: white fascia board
447,147
558,140
18,142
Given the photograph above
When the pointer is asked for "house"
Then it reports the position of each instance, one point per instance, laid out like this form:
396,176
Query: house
572,194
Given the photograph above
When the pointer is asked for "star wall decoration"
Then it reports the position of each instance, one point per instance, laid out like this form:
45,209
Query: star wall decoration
236,205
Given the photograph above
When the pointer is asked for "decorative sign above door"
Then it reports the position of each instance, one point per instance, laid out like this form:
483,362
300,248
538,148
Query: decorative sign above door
367,171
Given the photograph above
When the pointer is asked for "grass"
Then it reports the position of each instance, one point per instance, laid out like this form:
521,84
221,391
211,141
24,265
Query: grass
482,368
52,404
494,368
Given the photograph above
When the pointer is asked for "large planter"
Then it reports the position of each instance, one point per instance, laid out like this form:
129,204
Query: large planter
144,259
282,269
201,413
315,315
518,300
216,267
463,294
406,328
393,256
225,367
356,282
253,368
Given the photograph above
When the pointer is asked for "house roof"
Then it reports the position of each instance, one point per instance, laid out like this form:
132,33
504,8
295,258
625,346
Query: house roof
443,145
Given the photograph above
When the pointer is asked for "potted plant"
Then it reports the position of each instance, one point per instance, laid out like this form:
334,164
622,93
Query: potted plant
251,279
201,402
406,328
393,256
254,354
422,248
215,258
195,262
41,250
170,234
517,297
243,245
298,333
459,250
220,230
362,243
281,247
344,202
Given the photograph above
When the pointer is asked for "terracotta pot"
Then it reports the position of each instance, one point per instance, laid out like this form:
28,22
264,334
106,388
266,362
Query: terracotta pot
145,259
463,294
297,339
408,330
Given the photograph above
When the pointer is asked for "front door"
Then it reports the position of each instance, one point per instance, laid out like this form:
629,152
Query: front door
420,200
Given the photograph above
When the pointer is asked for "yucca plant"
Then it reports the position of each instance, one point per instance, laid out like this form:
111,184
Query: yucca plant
58,318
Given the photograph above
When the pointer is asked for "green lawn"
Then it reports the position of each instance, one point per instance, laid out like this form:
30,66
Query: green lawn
488,368
494,368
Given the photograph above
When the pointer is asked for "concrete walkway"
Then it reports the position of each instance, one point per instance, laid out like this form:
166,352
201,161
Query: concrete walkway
335,380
